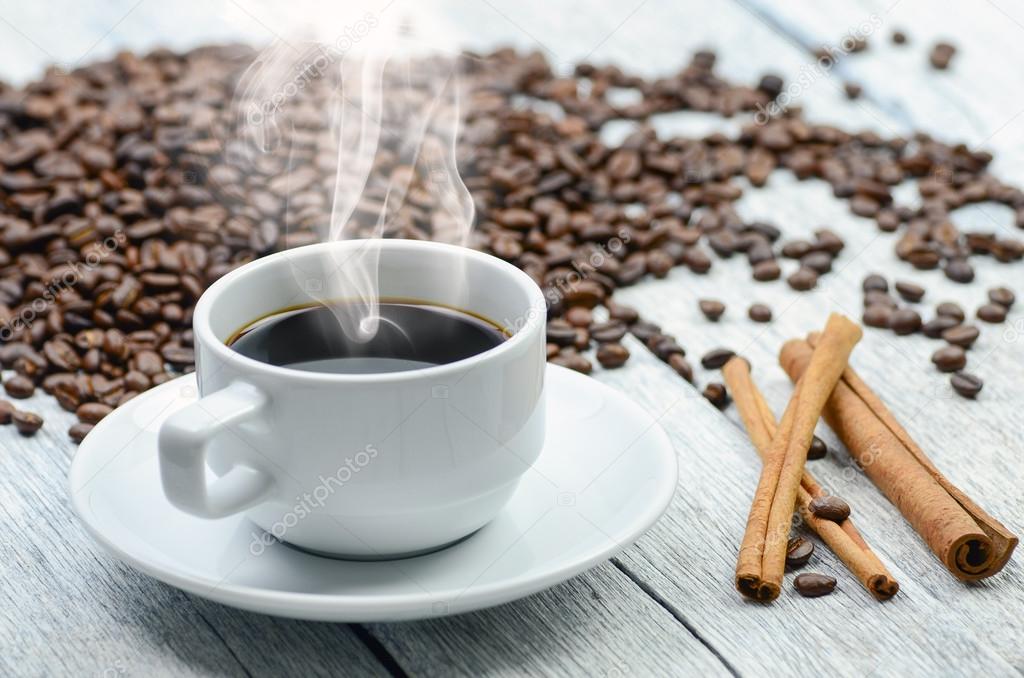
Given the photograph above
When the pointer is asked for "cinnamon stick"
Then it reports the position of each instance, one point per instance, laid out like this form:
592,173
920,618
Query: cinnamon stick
762,556
843,538
969,542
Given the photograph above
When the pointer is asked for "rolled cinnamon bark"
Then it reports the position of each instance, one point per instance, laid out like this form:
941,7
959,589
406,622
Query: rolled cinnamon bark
762,556
843,538
969,542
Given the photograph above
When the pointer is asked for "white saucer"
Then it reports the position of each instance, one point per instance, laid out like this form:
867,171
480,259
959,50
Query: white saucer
607,472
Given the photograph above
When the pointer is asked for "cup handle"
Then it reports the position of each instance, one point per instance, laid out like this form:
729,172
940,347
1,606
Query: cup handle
182,445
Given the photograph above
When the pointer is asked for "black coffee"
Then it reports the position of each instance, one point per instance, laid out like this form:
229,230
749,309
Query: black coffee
410,336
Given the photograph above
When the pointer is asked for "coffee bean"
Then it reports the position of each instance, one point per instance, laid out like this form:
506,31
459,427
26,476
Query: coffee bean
1002,296
558,332
716,358
804,279
27,423
579,316
92,413
899,37
6,410
874,282
608,331
621,312
950,358
798,552
959,271
644,330
717,395
819,262
877,315
19,387
759,313
966,385
817,450
767,270
905,321
852,90
934,328
681,366
813,585
992,313
663,346
78,431
962,335
711,308
952,310
573,360
909,291
829,507
941,54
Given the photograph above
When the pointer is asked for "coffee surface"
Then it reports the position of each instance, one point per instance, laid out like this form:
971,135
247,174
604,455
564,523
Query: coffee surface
410,336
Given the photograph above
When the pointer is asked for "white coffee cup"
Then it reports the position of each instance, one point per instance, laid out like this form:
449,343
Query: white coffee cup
361,465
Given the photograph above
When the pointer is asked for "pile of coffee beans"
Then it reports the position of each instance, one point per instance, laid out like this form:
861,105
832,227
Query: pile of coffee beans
949,323
128,186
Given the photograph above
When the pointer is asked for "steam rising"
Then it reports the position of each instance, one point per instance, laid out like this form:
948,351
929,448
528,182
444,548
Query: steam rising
392,122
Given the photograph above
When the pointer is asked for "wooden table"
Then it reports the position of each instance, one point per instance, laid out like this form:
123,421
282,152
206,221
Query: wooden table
666,605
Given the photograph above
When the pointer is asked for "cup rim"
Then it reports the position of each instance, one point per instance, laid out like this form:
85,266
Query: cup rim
535,316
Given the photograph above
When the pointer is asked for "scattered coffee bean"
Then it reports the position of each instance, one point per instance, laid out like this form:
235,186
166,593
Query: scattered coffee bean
798,552
874,283
6,410
579,316
829,507
966,384
19,387
644,330
905,321
27,423
877,315
717,395
612,355
1002,295
682,366
812,584
992,313
78,431
962,335
958,270
817,450
941,54
760,313
92,413
934,328
609,331
950,358
909,291
573,360
767,270
716,357
711,308
804,279
952,310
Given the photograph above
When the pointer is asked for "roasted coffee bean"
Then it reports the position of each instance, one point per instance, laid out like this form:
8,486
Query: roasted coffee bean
877,315
950,358
681,366
905,321
573,360
941,54
558,332
899,37
612,355
992,313
6,410
819,262
621,312
579,316
804,279
716,358
952,310
909,291
78,431
717,395
959,271
966,384
934,328
27,423
711,308
19,387
1002,296
817,450
644,330
874,282
798,552
608,331
92,413
551,350
813,585
767,270
760,313
875,297
663,346
962,335
829,507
